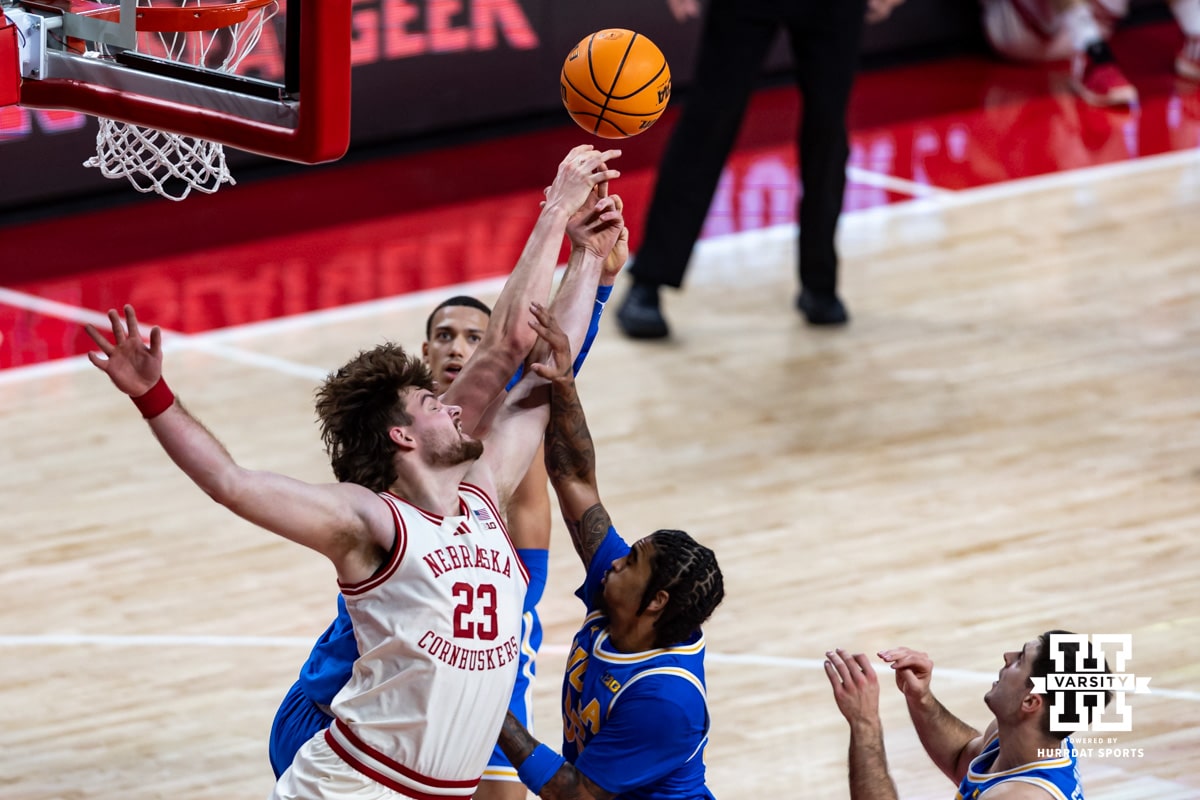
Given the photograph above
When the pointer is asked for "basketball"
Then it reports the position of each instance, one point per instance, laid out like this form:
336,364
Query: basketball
615,83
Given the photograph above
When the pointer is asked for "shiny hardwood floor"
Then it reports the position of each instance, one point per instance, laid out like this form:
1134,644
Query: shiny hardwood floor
1004,441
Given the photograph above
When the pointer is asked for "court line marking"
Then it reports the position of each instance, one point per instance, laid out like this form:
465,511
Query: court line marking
881,180
216,640
172,341
211,341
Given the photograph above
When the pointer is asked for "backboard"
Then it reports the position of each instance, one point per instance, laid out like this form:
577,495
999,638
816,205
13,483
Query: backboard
164,64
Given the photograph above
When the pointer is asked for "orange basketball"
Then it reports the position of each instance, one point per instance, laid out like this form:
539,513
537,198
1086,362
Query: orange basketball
615,83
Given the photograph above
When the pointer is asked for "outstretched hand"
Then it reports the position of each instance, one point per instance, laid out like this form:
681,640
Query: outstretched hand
583,173
914,670
596,226
132,366
617,257
855,687
551,356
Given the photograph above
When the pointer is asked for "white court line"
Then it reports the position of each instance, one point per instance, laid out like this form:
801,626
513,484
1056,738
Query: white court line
210,340
171,341
426,298
150,640
1073,177
183,640
882,180
52,308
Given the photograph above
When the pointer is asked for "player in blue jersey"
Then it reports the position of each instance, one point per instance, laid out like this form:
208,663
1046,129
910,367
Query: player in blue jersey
453,332
1021,755
635,713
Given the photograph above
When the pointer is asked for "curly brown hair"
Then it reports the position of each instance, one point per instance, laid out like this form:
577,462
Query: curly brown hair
359,403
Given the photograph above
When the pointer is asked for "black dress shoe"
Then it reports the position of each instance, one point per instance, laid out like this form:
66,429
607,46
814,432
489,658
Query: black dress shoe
822,308
639,315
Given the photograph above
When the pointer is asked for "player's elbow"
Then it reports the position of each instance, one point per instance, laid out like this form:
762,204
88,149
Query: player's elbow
513,339
229,487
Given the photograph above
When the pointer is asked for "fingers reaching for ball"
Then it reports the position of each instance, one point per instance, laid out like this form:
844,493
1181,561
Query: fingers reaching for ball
580,175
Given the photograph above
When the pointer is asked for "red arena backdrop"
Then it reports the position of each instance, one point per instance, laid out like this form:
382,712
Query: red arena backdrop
424,67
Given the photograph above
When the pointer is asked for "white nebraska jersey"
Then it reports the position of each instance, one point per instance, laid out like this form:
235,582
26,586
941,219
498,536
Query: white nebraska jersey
438,630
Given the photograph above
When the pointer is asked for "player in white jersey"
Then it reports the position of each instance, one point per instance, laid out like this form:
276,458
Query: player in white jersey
436,710
436,611
1022,749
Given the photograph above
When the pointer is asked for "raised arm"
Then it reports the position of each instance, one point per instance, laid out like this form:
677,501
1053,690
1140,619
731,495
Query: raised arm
856,691
347,523
509,338
597,233
571,464
950,742
598,239
520,422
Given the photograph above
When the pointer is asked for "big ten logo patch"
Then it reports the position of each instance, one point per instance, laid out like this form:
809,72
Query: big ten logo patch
485,518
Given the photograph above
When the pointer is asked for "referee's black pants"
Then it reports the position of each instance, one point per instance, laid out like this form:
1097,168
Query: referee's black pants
736,37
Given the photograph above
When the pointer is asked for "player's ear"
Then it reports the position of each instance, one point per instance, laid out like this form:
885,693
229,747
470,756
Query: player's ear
425,352
659,601
400,435
1033,703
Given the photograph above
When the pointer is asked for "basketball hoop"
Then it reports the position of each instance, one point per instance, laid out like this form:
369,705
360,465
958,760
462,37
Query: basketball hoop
201,34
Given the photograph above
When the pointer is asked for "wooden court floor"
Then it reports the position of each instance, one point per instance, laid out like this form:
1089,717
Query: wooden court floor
1005,440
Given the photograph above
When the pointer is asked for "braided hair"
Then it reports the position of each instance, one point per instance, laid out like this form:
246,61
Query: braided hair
688,572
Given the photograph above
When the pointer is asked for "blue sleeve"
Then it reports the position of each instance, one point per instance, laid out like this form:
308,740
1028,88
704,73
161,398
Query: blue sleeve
537,563
602,295
657,725
331,661
612,548
515,378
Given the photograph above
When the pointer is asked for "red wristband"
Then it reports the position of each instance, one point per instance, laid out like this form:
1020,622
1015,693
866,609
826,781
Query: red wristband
155,401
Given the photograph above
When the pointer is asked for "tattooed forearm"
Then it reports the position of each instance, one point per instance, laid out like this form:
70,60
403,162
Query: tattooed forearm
516,742
589,534
573,529
570,454
567,784
571,465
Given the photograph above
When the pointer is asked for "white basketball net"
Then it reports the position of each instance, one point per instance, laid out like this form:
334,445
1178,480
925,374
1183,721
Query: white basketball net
169,164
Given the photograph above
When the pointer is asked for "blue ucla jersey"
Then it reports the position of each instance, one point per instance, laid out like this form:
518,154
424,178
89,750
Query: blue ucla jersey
635,723
537,562
1058,775
305,709
332,659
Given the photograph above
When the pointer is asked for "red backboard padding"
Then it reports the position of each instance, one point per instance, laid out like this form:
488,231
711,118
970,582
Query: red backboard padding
322,132
10,75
